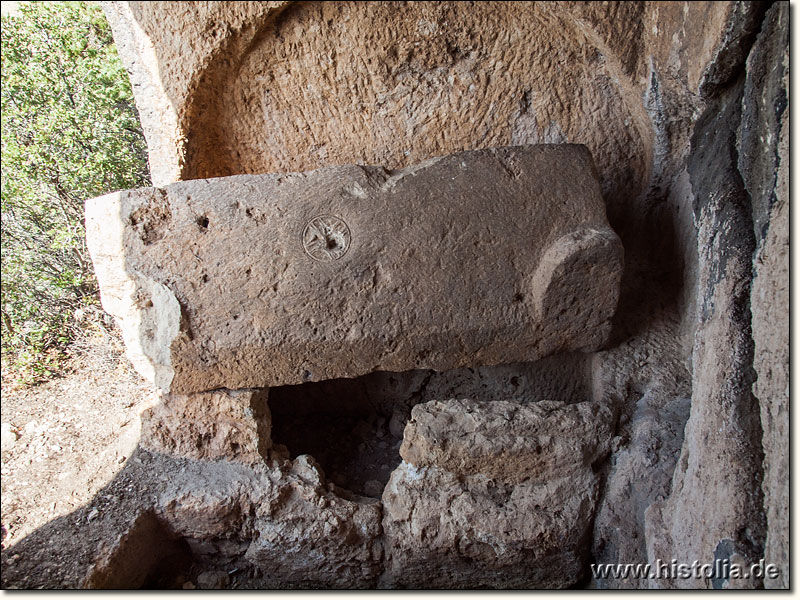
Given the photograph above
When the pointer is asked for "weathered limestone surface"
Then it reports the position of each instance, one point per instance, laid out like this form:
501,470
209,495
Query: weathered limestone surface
284,518
300,530
729,493
505,440
223,424
483,257
647,378
764,164
166,47
278,520
715,509
401,82
455,517
448,531
687,124
398,84
770,305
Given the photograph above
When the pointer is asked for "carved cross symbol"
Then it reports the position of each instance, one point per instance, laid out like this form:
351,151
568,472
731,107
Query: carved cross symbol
326,238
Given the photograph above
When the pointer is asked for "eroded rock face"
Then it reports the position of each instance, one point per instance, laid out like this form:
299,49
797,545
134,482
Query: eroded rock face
764,163
448,531
493,494
280,517
147,35
507,441
715,507
223,424
729,489
274,279
398,84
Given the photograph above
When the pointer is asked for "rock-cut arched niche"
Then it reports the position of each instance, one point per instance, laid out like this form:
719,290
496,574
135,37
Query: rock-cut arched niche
392,84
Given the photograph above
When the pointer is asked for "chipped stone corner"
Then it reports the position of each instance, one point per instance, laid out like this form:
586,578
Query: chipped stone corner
147,312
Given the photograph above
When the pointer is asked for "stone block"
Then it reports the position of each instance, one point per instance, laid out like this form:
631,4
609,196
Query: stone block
443,530
508,441
499,494
477,258
223,424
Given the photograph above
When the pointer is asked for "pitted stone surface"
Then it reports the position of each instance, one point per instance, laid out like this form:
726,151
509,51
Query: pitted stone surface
281,516
701,328
485,257
443,530
494,494
508,441
217,425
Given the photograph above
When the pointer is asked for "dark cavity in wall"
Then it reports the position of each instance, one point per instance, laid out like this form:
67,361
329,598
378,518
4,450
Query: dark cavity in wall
354,427
345,425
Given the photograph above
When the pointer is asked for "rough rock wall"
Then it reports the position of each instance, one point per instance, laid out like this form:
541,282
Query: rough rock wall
716,494
686,120
764,164
165,45
730,489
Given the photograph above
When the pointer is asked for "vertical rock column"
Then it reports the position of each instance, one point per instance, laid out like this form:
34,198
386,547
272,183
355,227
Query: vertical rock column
715,510
764,164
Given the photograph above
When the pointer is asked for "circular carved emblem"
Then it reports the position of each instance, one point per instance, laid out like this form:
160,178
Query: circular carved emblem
326,238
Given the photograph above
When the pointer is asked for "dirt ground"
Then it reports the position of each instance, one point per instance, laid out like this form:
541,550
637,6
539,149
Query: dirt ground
64,440
74,480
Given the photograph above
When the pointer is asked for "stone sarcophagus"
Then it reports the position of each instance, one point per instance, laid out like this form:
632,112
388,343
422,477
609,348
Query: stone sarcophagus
477,258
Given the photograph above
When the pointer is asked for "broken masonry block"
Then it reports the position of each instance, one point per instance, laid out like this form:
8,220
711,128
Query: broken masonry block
494,494
217,425
508,441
